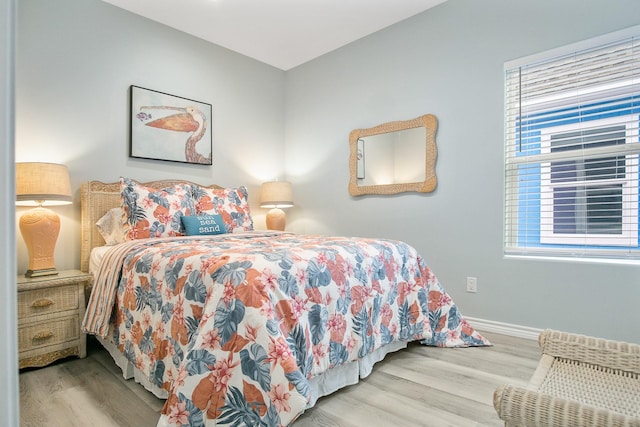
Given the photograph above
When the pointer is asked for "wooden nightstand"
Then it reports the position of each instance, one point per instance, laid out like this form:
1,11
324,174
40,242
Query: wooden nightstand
50,313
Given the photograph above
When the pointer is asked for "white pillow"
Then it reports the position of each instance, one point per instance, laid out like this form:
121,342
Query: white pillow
111,226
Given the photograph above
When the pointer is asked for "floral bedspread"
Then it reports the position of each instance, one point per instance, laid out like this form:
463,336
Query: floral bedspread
234,326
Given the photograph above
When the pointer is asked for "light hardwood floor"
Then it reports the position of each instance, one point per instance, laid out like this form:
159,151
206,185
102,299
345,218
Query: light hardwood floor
419,386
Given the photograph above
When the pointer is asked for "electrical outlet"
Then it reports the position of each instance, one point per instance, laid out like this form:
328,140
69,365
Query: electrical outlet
472,284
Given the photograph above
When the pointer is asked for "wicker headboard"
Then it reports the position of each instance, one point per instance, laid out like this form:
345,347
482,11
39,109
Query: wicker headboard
96,199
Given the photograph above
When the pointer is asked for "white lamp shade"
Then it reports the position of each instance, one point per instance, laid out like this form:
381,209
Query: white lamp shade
42,184
276,194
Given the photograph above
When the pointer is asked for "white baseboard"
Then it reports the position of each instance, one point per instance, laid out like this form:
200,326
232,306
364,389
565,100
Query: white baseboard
504,328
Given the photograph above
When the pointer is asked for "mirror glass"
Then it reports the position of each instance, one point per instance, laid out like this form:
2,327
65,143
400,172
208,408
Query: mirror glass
394,157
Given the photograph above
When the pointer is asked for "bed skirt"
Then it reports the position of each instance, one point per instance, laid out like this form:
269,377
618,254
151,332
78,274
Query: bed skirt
322,385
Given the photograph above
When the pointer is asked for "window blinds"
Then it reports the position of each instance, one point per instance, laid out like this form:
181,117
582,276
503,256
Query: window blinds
571,152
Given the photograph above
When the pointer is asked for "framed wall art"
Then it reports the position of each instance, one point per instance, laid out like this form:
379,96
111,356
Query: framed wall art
169,127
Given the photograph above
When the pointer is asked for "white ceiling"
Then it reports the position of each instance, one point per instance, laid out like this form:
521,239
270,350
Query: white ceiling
282,33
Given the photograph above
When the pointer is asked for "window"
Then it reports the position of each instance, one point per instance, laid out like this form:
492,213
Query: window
584,200
571,151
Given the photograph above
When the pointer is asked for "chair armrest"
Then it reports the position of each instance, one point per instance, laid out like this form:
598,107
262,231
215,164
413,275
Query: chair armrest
615,355
527,408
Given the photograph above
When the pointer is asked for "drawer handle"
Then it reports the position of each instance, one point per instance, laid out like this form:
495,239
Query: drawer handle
43,335
42,302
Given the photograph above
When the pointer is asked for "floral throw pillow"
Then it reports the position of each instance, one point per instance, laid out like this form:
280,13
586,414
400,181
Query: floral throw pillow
154,213
231,203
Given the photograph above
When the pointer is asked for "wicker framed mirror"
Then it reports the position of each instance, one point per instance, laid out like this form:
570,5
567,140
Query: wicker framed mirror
394,157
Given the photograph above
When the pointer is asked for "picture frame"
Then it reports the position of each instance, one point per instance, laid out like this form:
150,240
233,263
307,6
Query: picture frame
169,127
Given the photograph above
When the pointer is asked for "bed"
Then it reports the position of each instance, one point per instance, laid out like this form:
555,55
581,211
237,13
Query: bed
234,326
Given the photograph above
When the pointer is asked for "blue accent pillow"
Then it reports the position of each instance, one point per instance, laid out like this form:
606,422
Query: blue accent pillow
203,225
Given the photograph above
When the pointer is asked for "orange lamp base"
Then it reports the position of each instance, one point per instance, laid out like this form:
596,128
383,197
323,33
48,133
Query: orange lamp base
40,228
276,219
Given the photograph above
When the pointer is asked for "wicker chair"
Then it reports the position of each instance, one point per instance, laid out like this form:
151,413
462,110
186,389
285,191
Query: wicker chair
580,381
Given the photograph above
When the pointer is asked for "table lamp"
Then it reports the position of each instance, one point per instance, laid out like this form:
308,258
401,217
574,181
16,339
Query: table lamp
41,184
276,195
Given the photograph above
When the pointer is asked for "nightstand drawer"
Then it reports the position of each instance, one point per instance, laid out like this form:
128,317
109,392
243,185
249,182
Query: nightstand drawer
50,311
47,300
54,331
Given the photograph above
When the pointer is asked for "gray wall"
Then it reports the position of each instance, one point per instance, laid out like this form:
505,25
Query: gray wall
77,58
75,62
448,62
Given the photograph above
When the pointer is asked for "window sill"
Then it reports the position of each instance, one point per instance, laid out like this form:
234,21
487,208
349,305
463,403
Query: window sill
578,260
